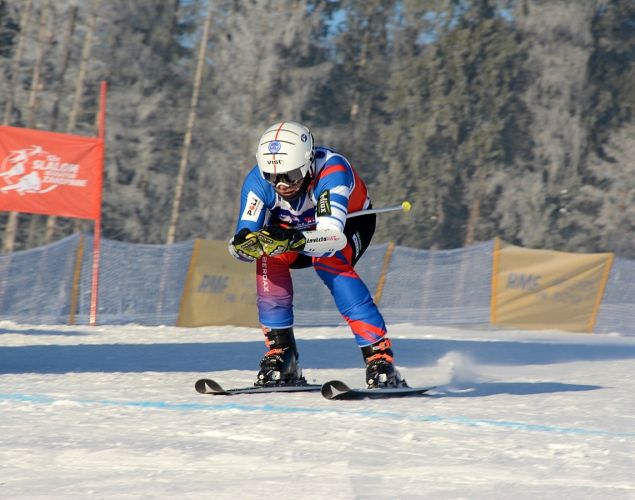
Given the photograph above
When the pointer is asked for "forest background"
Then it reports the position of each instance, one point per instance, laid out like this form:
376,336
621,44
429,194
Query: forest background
494,118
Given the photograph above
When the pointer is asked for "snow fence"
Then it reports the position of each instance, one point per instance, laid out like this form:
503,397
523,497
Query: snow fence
158,285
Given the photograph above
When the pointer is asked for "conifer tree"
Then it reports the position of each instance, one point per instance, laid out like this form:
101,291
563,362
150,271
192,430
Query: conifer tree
454,116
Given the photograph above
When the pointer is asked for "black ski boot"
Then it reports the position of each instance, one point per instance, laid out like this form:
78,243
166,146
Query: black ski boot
280,365
380,371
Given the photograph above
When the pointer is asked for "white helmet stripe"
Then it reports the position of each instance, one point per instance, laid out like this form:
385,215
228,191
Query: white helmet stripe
276,138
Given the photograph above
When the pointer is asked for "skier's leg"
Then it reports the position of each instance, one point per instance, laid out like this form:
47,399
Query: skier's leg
275,311
280,364
351,296
275,291
380,370
355,303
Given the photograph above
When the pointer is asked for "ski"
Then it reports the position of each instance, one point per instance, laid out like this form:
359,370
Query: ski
209,386
336,389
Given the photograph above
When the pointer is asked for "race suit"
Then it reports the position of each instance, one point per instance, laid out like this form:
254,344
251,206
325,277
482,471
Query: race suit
335,190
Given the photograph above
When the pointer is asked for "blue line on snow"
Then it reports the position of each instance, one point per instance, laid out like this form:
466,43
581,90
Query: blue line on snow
465,421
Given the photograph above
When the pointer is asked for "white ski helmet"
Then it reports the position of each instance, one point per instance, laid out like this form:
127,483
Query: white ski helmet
285,153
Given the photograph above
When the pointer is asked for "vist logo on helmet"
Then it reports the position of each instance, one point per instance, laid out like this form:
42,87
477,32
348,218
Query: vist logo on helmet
285,153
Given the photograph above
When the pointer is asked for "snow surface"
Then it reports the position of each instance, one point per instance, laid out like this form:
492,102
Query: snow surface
111,412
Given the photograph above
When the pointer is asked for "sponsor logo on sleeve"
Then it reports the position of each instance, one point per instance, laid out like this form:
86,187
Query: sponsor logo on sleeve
357,243
253,207
324,204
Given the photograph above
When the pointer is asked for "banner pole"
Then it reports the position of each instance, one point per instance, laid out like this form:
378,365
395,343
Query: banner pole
101,131
95,284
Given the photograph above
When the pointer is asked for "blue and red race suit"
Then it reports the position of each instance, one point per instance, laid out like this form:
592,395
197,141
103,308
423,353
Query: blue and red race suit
335,190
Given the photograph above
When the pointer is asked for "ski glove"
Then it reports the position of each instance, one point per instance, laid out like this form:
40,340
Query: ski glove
276,240
246,245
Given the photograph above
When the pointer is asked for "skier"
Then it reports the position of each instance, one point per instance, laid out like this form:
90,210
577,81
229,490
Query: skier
295,183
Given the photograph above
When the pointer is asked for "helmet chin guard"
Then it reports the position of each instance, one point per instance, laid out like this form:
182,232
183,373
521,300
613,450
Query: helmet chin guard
285,152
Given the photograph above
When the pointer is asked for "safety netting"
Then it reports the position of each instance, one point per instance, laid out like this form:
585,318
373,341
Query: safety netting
36,284
450,287
617,311
144,284
138,283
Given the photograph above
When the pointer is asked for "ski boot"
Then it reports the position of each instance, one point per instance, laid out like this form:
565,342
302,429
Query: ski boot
280,364
380,371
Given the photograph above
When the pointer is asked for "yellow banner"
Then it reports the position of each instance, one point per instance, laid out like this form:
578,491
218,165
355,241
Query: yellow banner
218,290
545,289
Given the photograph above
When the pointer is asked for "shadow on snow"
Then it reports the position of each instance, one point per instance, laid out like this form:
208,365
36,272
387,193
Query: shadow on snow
482,389
315,354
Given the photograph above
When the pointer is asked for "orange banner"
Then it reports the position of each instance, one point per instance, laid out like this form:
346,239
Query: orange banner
50,173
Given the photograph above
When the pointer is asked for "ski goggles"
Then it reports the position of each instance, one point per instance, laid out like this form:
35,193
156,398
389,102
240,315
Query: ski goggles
290,178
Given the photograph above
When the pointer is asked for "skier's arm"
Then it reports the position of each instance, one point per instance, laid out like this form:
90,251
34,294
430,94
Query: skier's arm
244,245
321,242
334,187
276,240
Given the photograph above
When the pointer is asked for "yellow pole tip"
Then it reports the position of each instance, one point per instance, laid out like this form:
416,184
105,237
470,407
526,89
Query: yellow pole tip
406,206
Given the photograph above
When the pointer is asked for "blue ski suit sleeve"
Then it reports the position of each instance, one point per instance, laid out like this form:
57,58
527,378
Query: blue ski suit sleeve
257,197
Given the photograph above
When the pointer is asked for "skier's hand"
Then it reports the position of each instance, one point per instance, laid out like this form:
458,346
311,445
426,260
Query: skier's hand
246,245
276,240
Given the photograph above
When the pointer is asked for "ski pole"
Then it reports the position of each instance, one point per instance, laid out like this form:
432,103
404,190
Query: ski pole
405,207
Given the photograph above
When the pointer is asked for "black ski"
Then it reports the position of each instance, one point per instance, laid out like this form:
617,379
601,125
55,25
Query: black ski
209,386
336,389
